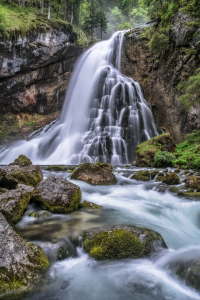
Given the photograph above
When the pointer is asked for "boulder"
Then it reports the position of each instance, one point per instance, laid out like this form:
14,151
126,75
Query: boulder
14,202
88,204
121,242
56,168
105,166
146,151
39,214
21,263
160,177
142,175
94,174
21,171
171,178
57,195
154,174
192,182
189,271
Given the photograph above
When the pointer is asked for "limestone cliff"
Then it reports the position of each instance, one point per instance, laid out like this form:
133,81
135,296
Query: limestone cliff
35,69
160,74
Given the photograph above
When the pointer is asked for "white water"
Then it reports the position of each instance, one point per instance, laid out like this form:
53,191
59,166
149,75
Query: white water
104,117
154,278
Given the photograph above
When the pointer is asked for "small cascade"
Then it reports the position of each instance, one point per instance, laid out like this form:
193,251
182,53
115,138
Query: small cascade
104,118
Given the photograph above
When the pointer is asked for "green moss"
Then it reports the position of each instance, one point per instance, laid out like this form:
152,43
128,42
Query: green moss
154,174
141,175
114,245
163,159
39,214
171,178
39,257
190,195
22,161
89,205
56,168
160,177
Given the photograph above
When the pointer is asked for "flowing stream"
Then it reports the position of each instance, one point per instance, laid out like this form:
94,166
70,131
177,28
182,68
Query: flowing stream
128,203
104,117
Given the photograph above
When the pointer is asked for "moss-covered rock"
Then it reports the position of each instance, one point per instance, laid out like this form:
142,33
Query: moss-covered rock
39,214
160,177
192,182
189,271
57,195
177,170
142,175
21,263
20,172
171,178
56,168
88,204
13,203
105,166
121,242
94,174
154,174
189,194
146,151
174,189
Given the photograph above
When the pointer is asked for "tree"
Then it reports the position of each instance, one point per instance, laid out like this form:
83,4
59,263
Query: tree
102,21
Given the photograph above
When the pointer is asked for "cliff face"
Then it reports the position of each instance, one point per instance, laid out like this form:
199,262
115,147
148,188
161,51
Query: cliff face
34,71
160,74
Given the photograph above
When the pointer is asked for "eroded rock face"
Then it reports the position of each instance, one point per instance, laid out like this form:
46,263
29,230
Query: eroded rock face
21,171
21,263
94,174
35,70
121,242
57,195
13,203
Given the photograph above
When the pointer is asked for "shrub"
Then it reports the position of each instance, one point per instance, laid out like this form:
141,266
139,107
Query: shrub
163,159
158,42
124,26
3,20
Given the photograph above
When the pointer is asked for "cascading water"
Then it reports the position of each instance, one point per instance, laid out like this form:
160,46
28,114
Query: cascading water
104,118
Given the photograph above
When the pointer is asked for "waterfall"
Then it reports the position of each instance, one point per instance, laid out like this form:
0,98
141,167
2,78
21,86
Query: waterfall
104,117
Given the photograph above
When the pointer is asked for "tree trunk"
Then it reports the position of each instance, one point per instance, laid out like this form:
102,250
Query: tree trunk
57,11
42,9
72,13
19,2
23,3
49,10
65,11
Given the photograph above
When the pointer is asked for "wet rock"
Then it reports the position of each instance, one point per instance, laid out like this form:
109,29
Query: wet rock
141,175
21,263
186,172
56,168
94,174
57,195
88,204
192,182
121,242
189,271
21,171
154,174
174,189
171,178
188,194
146,151
105,166
160,177
39,214
14,202
177,170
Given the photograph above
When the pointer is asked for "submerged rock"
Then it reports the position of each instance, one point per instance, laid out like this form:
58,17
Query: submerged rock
56,168
14,202
21,171
142,175
57,195
94,174
121,242
154,174
171,178
21,263
88,204
189,271
39,214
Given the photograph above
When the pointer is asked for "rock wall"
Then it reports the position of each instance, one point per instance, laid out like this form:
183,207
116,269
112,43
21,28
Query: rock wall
160,74
35,70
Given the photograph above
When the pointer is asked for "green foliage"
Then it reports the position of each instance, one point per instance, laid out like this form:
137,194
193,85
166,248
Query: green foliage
158,42
124,26
163,159
3,20
191,91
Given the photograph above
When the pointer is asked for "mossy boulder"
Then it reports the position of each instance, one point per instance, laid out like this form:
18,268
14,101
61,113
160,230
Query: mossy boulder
13,203
146,151
177,170
189,271
192,182
57,195
142,175
21,264
174,189
94,174
121,242
105,166
189,194
21,172
41,214
154,174
160,177
88,204
56,168
171,178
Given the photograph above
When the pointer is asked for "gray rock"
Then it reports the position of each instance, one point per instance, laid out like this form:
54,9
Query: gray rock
57,195
14,202
39,214
21,263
